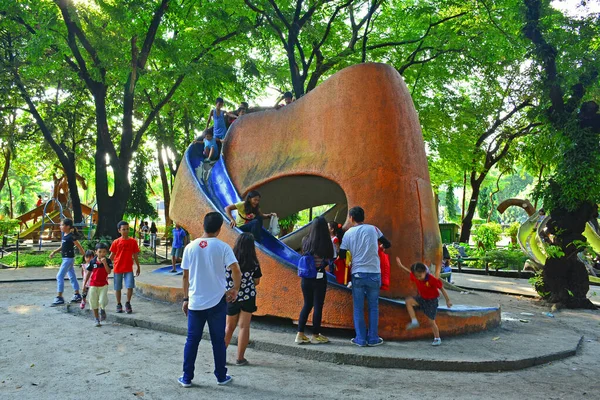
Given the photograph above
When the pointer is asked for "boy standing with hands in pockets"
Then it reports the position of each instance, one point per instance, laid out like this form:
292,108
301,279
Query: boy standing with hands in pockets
123,252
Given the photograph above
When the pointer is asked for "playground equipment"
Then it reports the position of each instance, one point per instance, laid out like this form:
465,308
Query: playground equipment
530,235
354,140
47,216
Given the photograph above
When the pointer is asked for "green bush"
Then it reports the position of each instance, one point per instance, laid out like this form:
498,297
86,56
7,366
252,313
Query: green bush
537,282
513,230
514,259
289,222
488,235
9,226
31,259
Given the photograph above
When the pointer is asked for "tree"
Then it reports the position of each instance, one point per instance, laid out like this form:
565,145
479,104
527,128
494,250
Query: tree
138,204
116,51
566,50
451,203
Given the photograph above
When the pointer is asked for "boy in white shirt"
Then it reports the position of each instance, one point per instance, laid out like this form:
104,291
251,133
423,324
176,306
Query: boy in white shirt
204,265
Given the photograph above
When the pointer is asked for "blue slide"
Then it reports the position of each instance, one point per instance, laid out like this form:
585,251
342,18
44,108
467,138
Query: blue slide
220,192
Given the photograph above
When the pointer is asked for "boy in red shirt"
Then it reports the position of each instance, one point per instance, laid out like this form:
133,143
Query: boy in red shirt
123,252
99,269
428,287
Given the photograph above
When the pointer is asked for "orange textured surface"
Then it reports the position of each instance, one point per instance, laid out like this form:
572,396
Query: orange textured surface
360,130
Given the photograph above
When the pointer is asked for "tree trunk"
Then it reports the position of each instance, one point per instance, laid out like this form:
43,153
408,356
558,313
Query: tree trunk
71,175
462,210
10,198
566,278
436,199
5,170
467,222
165,186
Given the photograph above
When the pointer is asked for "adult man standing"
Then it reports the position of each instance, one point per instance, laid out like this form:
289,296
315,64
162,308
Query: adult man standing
204,265
362,241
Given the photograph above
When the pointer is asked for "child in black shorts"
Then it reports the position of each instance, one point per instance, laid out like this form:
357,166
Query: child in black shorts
239,312
428,287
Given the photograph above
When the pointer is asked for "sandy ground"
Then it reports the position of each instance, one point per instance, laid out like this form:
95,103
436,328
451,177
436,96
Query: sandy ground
48,354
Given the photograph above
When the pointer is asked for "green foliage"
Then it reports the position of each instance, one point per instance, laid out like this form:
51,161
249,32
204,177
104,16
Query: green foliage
514,259
27,259
138,205
488,235
537,281
512,230
451,204
289,222
91,244
9,227
554,251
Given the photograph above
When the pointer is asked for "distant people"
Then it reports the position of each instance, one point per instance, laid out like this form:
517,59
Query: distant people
218,115
239,312
145,233
123,253
98,270
540,219
287,98
318,245
179,236
447,268
241,110
336,233
153,235
428,287
67,251
362,241
87,258
39,201
205,263
249,216
211,148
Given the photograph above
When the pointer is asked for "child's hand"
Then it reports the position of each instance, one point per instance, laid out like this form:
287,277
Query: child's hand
399,262
448,303
51,255
232,224
349,286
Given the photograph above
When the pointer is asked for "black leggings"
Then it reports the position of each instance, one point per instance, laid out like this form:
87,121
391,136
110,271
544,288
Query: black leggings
313,291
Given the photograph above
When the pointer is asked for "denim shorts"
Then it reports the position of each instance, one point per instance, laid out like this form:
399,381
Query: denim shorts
129,280
177,252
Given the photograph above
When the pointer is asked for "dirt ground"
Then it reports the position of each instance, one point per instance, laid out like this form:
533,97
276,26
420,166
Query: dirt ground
49,354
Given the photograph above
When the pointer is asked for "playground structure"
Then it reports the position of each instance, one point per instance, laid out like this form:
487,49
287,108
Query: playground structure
46,217
531,234
354,140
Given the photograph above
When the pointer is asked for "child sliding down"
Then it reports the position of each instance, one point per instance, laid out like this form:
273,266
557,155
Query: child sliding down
428,288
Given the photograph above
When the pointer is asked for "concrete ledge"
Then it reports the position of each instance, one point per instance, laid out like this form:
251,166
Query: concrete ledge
475,353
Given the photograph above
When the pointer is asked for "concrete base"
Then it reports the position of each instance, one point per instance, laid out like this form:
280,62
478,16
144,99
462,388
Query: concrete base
458,320
514,346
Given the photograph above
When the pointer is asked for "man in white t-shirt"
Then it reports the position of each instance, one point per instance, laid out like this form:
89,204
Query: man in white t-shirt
204,265
362,241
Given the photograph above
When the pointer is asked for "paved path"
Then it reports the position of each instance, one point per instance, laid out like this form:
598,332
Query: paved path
519,287
51,354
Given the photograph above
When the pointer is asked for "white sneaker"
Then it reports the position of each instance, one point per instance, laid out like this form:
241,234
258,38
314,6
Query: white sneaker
412,325
437,342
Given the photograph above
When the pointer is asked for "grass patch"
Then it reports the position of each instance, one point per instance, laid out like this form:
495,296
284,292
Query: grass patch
42,259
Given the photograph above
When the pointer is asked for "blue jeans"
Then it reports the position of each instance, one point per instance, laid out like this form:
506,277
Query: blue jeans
215,317
254,227
366,286
66,268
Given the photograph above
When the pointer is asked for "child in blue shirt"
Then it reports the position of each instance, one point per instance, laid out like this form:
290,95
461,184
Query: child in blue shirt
211,149
179,236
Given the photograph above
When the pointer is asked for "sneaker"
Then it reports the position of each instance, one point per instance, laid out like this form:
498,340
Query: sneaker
353,341
184,383
98,323
319,339
379,342
58,301
227,380
82,304
437,342
412,325
76,298
102,315
241,362
119,308
128,309
301,338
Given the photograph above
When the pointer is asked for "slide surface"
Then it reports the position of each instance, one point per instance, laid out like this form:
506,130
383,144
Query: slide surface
530,240
29,232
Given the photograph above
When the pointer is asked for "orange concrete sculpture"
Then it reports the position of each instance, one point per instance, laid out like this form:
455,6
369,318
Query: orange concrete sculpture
354,140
